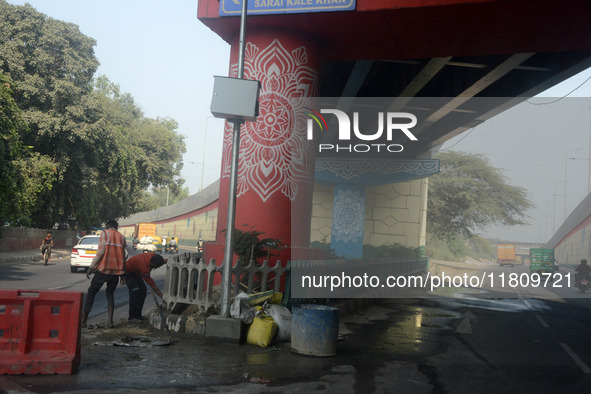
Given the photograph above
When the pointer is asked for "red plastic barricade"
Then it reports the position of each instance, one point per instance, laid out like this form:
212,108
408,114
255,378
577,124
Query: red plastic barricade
39,331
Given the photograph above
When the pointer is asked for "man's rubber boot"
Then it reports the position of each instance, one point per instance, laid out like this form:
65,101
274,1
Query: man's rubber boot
110,313
84,318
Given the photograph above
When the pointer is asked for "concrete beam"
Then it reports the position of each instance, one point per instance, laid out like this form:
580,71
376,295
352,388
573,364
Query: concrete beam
223,329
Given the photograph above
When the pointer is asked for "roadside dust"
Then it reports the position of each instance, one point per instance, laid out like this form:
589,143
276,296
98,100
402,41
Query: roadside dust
124,334
452,268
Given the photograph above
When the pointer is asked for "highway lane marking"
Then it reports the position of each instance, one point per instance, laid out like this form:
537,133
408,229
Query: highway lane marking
464,327
576,358
542,321
59,287
527,304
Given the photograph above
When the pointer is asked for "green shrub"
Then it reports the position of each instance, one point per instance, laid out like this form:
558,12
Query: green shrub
396,251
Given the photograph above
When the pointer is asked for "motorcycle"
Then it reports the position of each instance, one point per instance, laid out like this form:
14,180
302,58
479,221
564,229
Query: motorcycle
583,284
172,249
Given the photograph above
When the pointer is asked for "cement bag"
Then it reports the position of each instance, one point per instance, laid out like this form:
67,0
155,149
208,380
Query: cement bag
259,298
239,309
261,331
282,316
276,299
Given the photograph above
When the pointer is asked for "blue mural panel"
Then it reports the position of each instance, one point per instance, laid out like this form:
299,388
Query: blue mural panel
348,220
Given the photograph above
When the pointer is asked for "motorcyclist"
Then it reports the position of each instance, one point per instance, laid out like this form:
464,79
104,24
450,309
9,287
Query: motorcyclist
172,245
582,271
47,243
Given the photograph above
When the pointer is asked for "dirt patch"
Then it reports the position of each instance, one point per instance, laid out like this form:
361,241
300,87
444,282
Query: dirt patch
131,333
452,268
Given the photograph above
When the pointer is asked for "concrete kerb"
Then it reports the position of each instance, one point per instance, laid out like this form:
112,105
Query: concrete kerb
31,255
185,324
196,325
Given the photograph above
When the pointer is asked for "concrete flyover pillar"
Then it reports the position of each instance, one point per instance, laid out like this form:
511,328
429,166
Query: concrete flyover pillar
276,165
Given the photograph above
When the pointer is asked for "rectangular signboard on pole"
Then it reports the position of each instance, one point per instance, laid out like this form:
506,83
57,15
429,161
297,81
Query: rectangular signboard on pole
266,7
235,99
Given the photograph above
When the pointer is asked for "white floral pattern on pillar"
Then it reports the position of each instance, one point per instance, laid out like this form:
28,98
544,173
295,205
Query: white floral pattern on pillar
348,216
274,154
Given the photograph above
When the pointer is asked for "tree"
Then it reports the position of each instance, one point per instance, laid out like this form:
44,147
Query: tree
135,153
104,152
24,174
161,195
469,194
126,155
52,64
248,246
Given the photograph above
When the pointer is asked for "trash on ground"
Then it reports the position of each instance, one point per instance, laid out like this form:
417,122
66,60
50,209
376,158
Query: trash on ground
139,341
239,309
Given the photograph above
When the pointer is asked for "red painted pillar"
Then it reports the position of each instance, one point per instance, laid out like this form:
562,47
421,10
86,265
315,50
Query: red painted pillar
276,165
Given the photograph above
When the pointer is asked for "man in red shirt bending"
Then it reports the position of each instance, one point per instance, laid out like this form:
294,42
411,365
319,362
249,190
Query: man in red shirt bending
137,270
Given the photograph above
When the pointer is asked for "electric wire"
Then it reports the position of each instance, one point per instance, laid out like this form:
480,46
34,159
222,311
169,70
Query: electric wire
560,98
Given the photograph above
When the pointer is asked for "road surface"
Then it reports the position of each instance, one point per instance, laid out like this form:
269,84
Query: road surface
470,341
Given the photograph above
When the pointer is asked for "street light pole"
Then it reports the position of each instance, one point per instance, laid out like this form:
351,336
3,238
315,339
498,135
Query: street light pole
565,175
555,195
229,246
203,160
198,164
589,182
546,223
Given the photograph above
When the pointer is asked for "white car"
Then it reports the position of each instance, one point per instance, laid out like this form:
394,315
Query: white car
84,252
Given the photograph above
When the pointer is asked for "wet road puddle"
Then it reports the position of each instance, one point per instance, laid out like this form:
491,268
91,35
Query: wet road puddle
403,330
457,297
417,332
135,341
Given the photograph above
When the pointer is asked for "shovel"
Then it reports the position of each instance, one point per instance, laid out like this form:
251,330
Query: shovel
162,318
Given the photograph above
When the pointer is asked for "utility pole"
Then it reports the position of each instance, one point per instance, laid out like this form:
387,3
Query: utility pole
229,246
556,195
589,181
203,160
565,175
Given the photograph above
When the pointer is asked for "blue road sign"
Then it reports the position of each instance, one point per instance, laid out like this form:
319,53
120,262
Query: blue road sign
266,7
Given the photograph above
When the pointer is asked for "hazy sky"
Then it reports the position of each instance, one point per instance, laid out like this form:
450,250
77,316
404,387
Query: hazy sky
166,59
543,146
